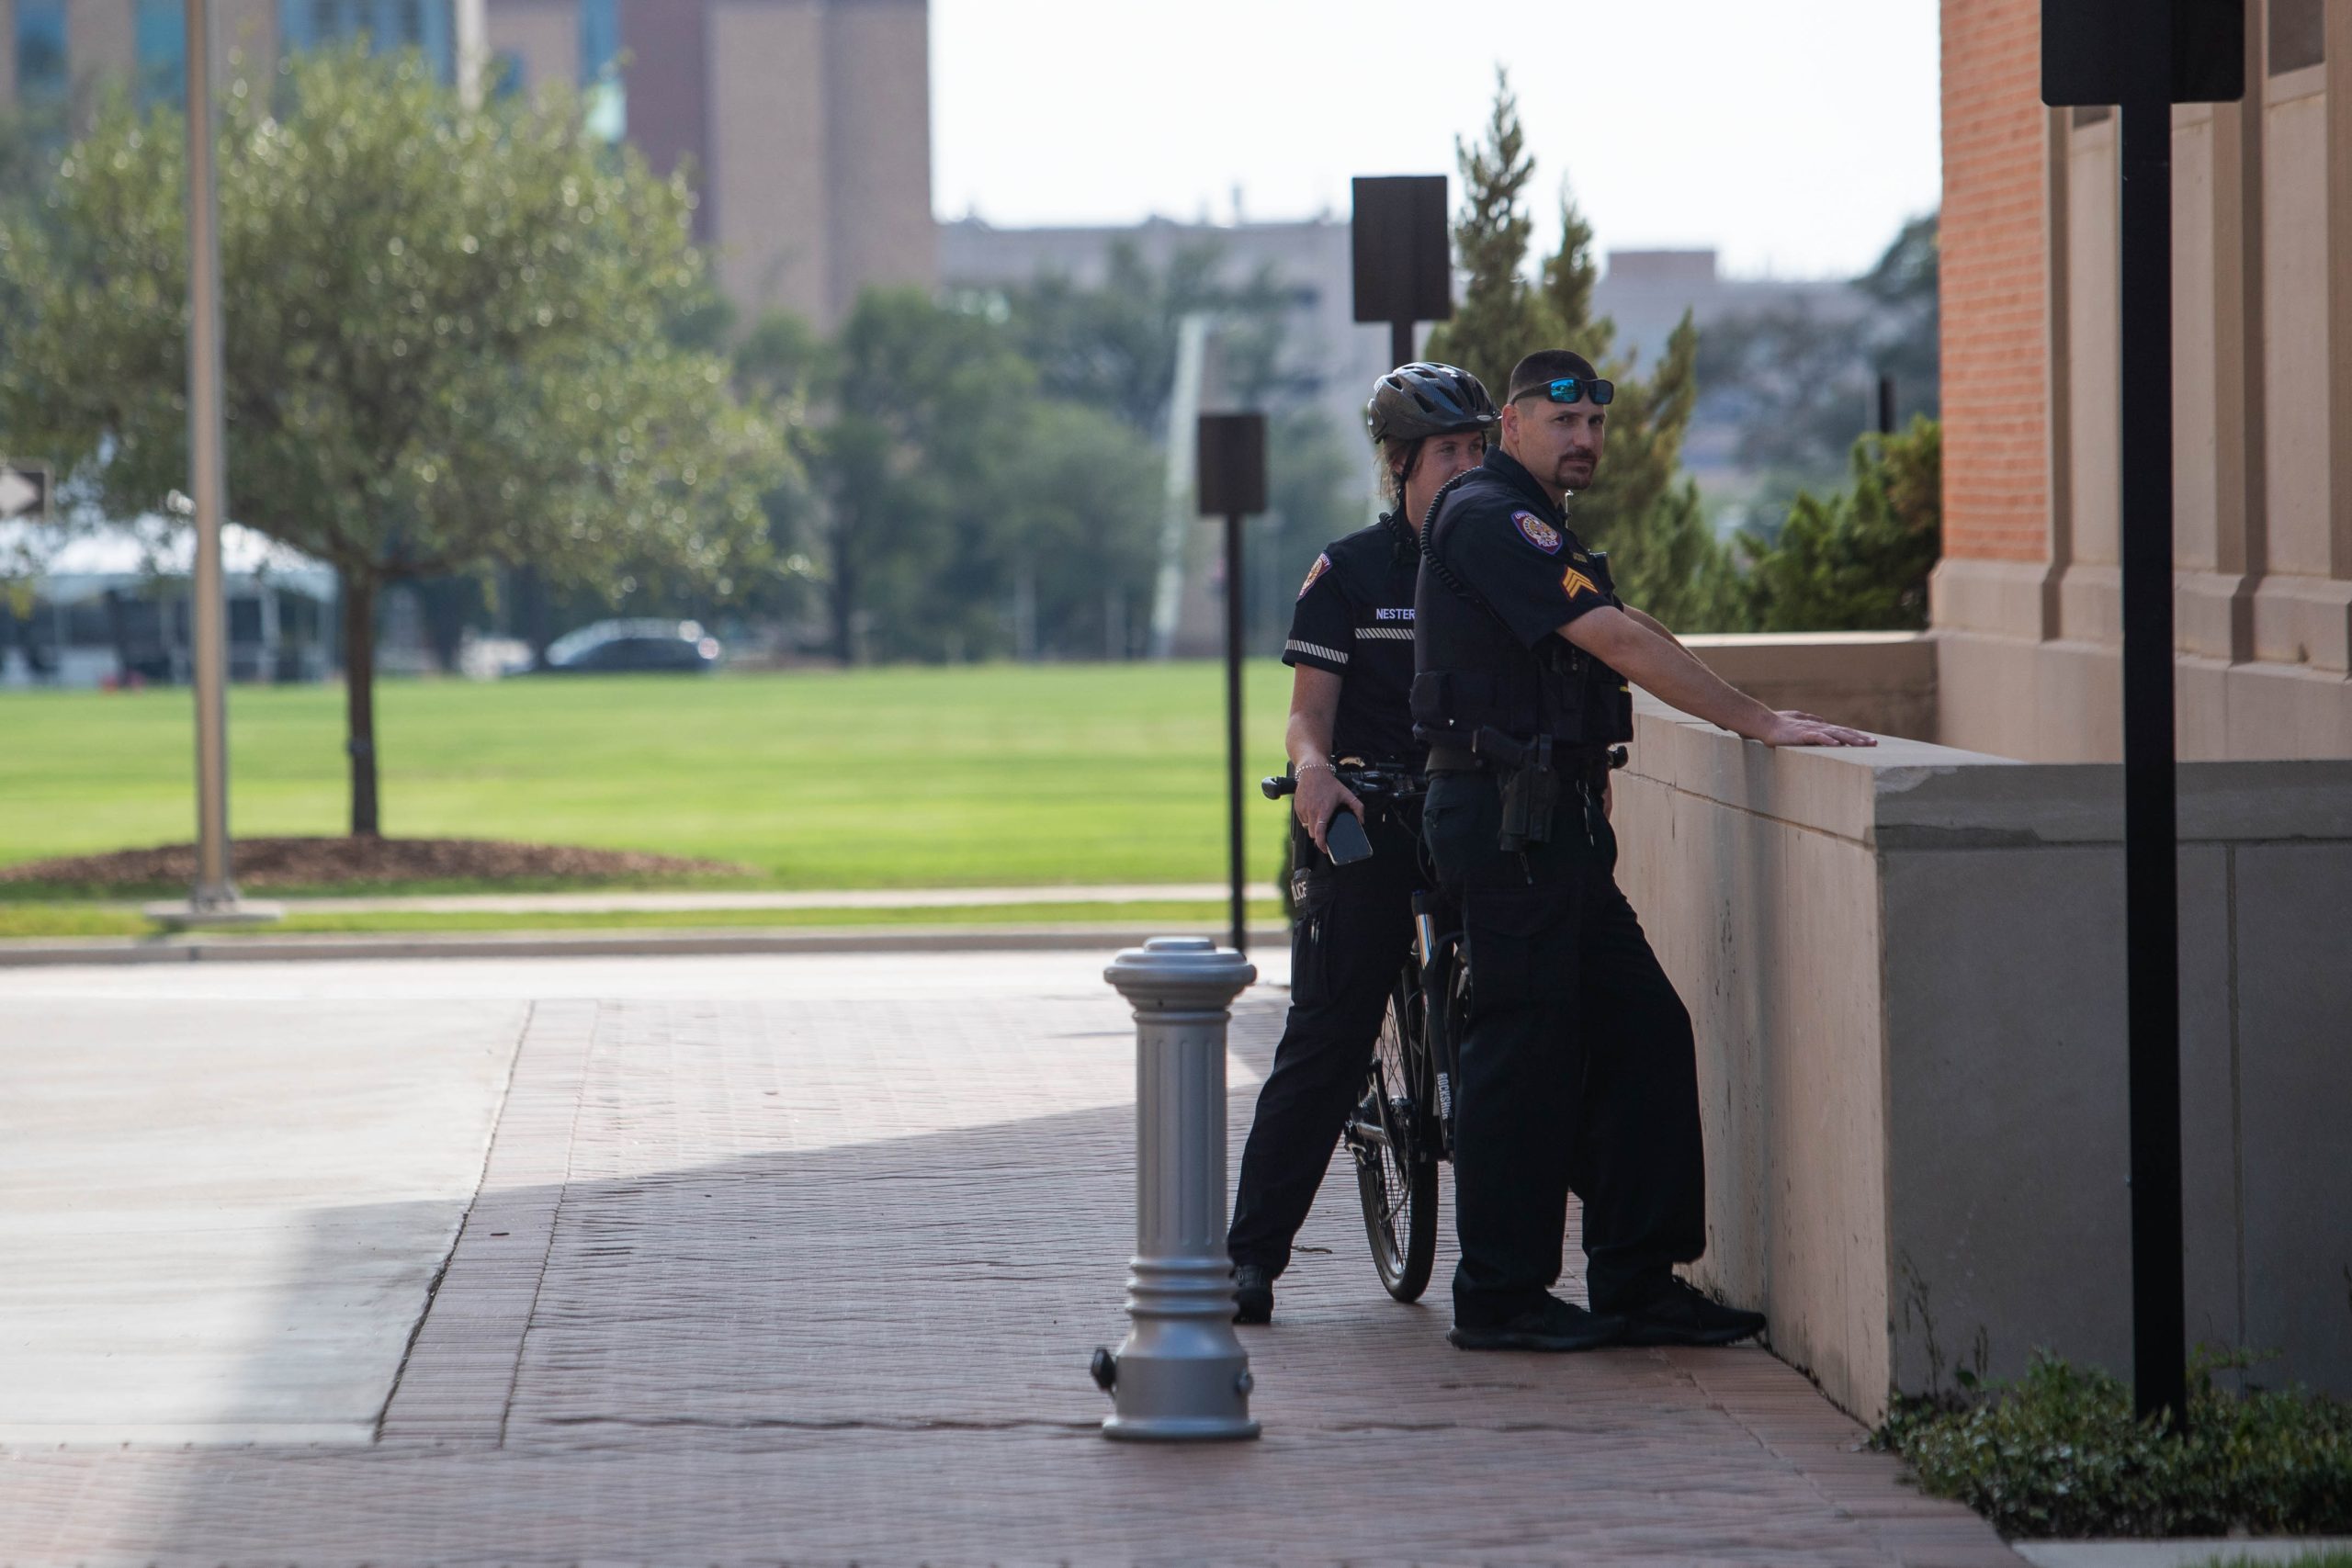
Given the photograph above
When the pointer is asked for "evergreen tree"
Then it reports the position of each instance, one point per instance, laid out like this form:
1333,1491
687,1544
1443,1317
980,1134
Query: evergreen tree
1859,560
1666,559
1681,571
1500,319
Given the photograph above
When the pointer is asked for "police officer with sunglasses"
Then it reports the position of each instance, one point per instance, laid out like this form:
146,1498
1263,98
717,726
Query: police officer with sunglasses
1577,1056
1350,650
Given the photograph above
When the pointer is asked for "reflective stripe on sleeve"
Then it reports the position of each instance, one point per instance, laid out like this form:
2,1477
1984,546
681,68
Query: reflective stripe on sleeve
1315,648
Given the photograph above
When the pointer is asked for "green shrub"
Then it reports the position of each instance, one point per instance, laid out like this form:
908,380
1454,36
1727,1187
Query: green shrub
2061,1454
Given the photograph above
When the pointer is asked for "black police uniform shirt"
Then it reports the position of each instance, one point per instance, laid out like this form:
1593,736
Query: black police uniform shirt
1354,619
1502,535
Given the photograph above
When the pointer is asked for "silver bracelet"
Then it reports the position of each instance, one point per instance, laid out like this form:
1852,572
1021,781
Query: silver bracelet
1298,768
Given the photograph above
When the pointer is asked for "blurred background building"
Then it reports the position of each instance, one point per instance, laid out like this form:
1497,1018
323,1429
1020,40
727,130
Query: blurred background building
1327,357
808,122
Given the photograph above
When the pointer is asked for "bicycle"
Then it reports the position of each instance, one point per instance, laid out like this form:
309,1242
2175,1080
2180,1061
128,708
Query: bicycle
1402,1128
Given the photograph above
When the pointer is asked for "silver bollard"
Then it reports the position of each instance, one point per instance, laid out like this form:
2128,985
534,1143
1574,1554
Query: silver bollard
1182,1374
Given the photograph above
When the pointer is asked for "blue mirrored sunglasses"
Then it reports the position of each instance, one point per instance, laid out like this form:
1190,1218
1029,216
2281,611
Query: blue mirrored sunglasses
1577,390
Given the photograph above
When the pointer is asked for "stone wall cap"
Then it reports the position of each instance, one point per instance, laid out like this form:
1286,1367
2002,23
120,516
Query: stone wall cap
1803,639
1910,795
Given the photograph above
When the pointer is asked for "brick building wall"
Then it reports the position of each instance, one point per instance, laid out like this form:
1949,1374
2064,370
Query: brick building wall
1995,284
2027,603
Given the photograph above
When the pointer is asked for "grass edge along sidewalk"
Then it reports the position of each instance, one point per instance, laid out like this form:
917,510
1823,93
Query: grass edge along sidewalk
994,775
27,921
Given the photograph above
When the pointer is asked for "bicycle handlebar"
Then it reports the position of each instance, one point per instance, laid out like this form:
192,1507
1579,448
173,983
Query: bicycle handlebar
1385,784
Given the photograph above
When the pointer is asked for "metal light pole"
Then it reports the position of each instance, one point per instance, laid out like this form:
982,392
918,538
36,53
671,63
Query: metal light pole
2151,816
1231,483
206,476
2145,56
213,899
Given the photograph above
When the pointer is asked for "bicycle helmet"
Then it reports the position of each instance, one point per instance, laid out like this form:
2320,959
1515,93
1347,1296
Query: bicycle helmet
1420,399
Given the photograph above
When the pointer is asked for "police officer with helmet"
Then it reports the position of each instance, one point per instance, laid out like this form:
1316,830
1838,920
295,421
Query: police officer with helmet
1350,650
1578,1053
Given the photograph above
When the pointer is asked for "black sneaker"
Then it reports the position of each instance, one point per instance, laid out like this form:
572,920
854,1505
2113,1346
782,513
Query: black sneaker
1554,1325
1254,1295
1679,1313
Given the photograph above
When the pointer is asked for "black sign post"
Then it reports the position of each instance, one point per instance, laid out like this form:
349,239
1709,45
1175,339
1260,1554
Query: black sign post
1403,271
1230,480
2144,56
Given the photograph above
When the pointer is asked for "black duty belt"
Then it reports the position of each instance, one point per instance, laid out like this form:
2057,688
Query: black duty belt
1574,761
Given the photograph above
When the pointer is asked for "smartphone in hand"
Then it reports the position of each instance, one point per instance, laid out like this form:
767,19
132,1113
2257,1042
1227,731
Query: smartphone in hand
1345,838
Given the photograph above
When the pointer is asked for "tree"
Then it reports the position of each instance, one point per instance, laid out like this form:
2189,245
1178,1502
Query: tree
1798,386
1667,560
1077,502
1682,570
1500,319
1857,560
782,368
968,515
1908,343
448,344
1801,387
1114,347
923,398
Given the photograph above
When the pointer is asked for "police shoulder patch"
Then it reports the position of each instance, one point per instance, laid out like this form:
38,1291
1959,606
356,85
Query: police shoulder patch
1537,531
1322,564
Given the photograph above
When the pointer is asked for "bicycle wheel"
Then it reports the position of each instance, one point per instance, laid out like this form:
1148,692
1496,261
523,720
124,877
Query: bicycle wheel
1395,1167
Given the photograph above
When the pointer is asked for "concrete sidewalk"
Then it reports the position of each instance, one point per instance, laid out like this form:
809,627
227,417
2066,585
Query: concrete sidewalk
800,1260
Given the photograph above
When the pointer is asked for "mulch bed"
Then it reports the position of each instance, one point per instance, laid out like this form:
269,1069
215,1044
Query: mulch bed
316,863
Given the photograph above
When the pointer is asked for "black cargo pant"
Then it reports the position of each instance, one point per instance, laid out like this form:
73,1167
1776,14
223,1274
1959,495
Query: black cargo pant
1355,926
1578,1060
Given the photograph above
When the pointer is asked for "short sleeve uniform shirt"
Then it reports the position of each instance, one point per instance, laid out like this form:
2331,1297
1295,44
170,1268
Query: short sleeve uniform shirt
1500,534
1354,619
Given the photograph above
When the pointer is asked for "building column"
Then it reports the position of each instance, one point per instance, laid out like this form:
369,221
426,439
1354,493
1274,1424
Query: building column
2301,621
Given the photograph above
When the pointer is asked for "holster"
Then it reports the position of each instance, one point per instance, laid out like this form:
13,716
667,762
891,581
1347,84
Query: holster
1530,791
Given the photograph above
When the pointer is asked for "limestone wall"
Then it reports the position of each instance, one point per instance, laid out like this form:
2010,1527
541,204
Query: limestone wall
1905,967
1882,682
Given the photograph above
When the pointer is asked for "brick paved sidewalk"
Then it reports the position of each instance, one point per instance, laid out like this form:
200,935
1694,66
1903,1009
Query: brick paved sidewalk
813,1279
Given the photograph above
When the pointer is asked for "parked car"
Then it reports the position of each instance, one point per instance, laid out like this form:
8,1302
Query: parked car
633,646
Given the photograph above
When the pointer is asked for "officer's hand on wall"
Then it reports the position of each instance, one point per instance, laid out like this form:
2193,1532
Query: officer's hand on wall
1320,797
1793,729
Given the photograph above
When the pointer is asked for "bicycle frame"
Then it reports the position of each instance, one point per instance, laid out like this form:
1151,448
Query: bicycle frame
1403,1128
1437,958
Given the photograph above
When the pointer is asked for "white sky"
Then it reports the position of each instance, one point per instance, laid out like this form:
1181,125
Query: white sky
1793,135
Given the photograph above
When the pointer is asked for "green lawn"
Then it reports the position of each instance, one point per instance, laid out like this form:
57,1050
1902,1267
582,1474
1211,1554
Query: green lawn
901,777
46,919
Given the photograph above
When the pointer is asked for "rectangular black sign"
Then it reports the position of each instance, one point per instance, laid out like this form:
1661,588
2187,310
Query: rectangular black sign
2082,51
1404,267
1231,471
